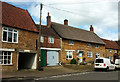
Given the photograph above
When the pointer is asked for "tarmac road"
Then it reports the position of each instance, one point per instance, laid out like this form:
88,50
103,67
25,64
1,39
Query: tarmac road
99,75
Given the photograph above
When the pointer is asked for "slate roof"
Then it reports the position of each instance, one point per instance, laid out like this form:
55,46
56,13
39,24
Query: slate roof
16,17
111,44
68,32
46,31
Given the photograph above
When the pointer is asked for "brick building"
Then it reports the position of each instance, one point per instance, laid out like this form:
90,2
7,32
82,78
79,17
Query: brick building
18,39
78,43
111,48
50,46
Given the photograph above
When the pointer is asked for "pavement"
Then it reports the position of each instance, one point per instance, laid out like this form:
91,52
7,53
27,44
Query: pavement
48,71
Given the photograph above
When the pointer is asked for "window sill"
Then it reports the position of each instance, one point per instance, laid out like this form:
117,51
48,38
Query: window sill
70,44
10,42
6,64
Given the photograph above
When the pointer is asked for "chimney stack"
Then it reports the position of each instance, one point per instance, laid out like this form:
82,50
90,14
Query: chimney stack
48,20
91,28
65,22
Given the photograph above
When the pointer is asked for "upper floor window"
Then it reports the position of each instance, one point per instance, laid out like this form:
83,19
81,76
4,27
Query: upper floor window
9,35
89,45
42,39
70,42
89,54
6,58
51,40
110,50
96,46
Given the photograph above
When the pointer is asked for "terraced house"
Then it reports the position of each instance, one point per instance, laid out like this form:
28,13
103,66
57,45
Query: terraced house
79,44
112,49
18,39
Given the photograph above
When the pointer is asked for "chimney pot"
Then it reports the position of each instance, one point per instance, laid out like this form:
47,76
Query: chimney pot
65,22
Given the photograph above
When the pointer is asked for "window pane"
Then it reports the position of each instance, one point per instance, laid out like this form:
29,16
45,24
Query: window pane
4,28
15,37
5,53
9,53
1,61
5,61
9,36
15,30
10,30
9,59
4,36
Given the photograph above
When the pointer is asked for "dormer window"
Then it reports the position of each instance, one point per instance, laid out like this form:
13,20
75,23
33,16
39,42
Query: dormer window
9,35
71,42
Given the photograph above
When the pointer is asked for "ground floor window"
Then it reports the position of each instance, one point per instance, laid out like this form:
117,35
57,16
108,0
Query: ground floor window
5,58
69,54
89,54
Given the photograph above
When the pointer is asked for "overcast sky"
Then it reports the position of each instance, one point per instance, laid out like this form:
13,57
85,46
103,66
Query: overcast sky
102,14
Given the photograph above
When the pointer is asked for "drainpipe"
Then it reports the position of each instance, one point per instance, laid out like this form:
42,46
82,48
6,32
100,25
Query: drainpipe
61,51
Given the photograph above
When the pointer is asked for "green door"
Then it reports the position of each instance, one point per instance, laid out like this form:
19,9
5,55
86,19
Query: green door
43,58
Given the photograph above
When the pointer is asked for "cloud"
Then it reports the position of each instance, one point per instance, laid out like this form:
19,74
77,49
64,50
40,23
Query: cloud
102,14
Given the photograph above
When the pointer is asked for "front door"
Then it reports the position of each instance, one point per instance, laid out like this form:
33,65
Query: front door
43,58
80,57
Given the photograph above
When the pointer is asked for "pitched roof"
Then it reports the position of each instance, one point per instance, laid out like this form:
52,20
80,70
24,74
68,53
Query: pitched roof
17,17
111,44
46,31
73,33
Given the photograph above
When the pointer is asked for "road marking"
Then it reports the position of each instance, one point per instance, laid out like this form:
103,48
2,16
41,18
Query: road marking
65,75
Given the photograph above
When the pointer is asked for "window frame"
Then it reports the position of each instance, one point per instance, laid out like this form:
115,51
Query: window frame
2,54
42,39
70,42
13,32
110,50
88,55
69,54
50,40
96,46
89,45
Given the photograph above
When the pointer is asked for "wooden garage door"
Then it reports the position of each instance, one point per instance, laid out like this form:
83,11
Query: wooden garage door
43,58
52,58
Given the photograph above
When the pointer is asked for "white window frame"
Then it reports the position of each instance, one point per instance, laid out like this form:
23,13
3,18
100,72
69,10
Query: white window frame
7,57
96,46
70,42
89,45
69,52
12,35
42,39
51,40
89,55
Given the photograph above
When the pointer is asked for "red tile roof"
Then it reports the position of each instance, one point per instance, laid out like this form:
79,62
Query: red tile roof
111,44
17,17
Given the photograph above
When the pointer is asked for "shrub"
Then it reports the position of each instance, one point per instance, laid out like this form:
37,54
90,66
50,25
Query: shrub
83,63
73,61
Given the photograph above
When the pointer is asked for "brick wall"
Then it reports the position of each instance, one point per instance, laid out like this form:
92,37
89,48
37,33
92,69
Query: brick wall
26,41
81,46
46,44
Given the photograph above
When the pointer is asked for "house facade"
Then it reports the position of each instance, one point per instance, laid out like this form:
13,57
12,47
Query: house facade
18,39
111,49
79,44
50,46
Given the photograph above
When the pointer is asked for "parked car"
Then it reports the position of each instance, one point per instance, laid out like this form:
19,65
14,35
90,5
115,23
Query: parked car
104,63
117,63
